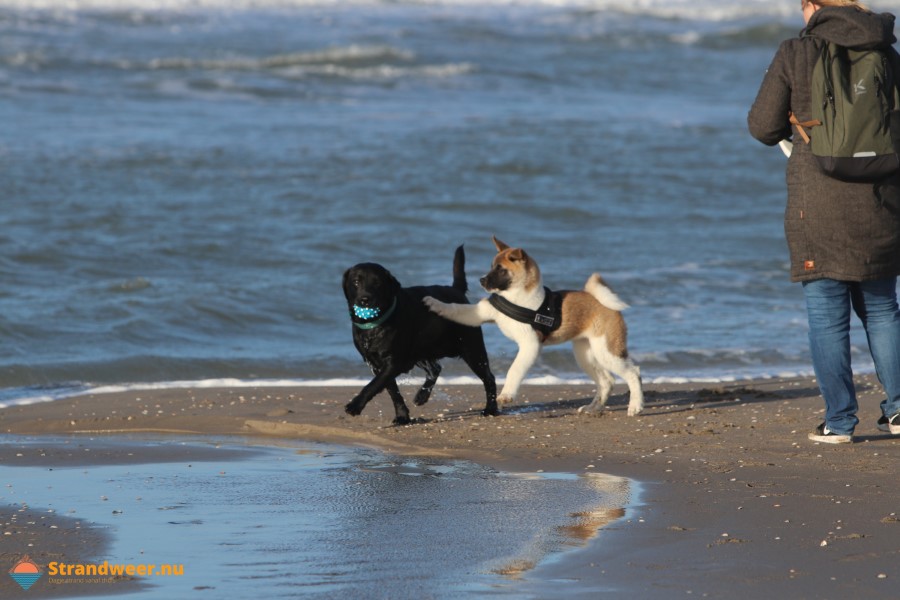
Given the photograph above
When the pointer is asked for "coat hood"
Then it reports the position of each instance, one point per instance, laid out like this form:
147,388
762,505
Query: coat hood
852,28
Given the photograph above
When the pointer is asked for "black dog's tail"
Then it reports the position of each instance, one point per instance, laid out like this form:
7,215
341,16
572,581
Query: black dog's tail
459,270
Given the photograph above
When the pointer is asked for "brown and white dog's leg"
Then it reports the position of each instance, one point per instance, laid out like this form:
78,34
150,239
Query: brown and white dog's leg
625,368
601,376
525,358
473,315
635,389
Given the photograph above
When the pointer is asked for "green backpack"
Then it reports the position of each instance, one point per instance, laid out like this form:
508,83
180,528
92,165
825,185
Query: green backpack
855,101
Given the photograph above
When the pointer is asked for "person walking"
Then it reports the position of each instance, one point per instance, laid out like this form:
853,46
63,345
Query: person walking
843,238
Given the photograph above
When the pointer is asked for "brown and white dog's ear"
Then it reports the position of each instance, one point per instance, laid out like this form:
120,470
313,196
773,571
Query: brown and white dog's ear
500,245
517,255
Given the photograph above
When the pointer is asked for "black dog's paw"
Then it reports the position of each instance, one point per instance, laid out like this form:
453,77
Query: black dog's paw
353,408
400,420
491,411
422,397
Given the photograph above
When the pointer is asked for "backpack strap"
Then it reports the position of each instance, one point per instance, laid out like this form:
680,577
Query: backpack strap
801,125
892,67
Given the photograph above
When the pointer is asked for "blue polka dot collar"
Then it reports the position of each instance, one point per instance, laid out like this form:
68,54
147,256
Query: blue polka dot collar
365,313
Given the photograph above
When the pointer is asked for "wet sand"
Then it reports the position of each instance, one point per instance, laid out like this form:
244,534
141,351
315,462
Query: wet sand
735,500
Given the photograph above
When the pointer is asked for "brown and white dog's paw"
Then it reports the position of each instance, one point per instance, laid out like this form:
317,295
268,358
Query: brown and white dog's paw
634,411
592,410
505,400
434,305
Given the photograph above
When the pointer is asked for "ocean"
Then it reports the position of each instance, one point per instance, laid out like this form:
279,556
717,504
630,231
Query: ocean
183,182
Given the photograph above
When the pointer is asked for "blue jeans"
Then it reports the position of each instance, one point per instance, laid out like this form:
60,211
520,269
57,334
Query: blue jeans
828,304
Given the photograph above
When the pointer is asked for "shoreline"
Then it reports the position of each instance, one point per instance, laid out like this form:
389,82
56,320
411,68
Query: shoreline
735,498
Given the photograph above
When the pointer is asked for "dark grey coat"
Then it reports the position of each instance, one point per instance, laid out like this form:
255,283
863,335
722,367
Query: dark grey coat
835,230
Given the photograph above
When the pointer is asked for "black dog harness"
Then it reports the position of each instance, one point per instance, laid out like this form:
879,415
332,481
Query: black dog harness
545,320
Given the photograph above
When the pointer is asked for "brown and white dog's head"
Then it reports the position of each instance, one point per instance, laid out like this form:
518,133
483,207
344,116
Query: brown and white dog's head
512,270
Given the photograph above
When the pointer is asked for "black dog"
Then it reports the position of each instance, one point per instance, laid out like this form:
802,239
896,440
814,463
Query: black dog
394,331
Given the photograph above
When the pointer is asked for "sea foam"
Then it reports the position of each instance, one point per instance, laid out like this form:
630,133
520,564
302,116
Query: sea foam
27,396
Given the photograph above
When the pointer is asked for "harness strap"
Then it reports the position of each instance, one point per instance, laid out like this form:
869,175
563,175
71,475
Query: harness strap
544,320
513,311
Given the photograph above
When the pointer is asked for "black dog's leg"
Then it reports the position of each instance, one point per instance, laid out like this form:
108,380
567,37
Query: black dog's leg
383,380
372,389
478,362
432,371
400,409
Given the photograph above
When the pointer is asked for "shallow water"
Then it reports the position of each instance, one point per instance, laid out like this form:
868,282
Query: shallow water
324,521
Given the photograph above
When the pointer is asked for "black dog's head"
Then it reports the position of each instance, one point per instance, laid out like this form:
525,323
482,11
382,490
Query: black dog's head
370,290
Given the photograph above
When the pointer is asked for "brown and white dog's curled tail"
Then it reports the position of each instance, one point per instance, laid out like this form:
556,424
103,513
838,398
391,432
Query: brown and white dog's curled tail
597,288
459,270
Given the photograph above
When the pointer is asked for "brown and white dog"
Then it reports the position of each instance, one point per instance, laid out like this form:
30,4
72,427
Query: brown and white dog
591,319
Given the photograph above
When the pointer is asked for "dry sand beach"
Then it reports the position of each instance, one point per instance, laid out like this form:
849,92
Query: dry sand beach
736,501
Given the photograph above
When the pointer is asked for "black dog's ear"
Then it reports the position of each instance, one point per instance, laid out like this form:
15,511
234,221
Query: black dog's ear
345,284
395,285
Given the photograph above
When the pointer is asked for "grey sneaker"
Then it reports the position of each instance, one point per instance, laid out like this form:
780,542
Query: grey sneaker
891,425
826,436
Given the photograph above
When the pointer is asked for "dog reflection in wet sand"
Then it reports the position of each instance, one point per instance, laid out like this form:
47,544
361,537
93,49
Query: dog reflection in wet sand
533,316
